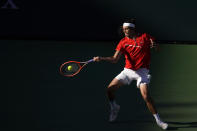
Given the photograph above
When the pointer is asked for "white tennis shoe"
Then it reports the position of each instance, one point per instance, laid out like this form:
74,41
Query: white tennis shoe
114,113
162,124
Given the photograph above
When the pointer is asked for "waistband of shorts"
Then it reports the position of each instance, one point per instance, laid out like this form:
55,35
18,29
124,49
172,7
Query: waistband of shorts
134,70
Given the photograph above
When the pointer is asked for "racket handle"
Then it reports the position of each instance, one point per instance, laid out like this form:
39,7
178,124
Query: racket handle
92,60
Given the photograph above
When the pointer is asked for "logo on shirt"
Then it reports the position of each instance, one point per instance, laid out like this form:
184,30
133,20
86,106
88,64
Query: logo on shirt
126,45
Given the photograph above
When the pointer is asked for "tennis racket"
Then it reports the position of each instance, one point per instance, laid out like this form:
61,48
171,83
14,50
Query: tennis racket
72,68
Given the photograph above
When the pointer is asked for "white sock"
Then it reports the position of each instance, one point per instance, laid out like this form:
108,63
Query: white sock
157,118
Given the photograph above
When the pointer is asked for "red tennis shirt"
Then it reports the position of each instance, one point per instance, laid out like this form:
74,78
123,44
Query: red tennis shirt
137,52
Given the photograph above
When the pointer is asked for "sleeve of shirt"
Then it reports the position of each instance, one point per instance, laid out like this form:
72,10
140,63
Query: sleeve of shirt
150,37
147,37
120,47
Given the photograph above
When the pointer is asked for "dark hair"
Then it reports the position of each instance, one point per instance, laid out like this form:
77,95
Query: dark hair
127,20
131,20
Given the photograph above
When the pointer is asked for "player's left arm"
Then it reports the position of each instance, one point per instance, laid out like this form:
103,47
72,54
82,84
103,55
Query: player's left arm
153,44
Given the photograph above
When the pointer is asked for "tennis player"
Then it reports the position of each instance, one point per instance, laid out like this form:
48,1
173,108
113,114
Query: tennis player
136,49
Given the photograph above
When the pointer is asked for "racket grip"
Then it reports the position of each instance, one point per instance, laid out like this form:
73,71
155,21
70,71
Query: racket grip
92,60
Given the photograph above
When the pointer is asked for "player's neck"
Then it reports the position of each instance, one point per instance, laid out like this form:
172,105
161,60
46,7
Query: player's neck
132,36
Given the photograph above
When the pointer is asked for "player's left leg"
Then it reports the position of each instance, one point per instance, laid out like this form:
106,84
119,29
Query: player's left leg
151,106
147,98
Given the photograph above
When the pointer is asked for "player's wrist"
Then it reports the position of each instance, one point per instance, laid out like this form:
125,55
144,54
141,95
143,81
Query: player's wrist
101,58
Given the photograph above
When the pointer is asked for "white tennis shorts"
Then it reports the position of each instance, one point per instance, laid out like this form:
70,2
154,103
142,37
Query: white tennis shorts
128,75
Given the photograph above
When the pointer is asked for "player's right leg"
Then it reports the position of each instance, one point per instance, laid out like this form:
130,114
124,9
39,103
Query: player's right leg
114,108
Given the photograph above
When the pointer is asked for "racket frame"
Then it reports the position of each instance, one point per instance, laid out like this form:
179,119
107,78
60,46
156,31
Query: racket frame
79,64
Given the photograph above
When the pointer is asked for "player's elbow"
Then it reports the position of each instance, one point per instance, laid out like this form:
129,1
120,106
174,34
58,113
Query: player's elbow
114,60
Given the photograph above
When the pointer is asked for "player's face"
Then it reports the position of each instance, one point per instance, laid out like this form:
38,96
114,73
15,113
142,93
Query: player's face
128,31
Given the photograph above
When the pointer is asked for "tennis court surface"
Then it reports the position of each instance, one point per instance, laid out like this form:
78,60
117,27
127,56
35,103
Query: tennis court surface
34,96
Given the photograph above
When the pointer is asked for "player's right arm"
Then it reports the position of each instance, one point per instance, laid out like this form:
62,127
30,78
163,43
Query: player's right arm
112,59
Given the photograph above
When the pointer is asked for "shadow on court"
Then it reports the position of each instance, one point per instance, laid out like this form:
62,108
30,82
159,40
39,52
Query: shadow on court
172,125
178,104
179,125
130,122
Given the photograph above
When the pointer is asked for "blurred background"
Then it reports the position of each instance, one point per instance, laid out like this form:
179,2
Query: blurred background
38,36
96,20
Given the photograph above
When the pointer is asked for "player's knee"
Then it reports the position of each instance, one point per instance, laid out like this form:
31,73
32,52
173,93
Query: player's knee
111,88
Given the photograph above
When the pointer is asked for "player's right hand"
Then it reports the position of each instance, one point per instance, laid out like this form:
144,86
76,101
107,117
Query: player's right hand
97,58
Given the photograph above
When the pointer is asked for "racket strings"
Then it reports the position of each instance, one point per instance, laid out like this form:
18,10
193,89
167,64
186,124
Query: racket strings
70,68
